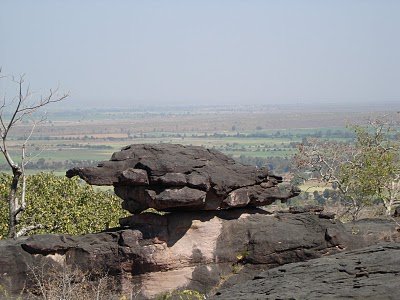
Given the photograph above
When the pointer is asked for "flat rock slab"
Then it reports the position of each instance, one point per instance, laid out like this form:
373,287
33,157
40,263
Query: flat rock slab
172,177
368,273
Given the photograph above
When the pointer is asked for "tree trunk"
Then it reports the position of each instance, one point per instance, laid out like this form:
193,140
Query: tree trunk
13,203
389,210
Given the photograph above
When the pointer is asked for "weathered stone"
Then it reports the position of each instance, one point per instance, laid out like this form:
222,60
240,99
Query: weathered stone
368,273
136,199
134,176
196,180
199,250
327,215
177,198
237,198
184,178
170,180
106,173
306,208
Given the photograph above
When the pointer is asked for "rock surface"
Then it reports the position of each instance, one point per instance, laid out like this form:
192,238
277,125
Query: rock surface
368,273
203,250
171,177
221,240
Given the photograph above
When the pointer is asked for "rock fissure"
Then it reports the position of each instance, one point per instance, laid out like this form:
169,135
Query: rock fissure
44,251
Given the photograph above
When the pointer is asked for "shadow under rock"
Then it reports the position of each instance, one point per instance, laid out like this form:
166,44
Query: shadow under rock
171,227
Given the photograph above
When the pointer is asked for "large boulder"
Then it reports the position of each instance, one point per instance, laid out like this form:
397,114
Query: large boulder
171,177
202,250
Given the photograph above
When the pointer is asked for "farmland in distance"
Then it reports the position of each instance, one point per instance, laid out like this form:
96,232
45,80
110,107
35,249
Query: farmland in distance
255,135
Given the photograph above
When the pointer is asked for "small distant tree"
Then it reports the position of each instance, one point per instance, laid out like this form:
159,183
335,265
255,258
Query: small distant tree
13,112
363,171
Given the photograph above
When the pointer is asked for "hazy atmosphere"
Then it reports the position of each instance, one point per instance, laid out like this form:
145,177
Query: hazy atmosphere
125,53
199,150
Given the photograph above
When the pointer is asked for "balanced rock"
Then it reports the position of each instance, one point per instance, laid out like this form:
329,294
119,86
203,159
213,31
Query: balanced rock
171,177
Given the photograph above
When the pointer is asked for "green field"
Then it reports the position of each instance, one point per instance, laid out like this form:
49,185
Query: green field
82,138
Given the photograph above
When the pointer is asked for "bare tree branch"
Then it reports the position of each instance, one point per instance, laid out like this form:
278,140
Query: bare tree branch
21,107
28,229
366,170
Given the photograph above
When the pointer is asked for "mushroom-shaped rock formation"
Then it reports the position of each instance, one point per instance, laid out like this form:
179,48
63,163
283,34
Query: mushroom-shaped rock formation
171,177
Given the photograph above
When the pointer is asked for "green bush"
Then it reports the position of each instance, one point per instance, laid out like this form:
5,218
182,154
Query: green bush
182,295
62,205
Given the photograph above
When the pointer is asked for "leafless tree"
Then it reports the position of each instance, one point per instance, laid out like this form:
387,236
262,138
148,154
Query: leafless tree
13,111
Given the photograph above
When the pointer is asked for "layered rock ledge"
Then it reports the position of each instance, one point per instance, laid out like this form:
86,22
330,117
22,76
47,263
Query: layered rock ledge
171,177
368,273
212,236
203,250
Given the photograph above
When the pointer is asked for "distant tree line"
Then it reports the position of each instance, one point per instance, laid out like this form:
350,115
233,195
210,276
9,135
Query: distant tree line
43,164
278,165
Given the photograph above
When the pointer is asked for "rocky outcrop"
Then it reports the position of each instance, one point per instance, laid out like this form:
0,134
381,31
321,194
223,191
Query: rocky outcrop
205,250
209,236
368,273
171,177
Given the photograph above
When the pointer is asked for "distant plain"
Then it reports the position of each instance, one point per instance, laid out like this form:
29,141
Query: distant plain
81,137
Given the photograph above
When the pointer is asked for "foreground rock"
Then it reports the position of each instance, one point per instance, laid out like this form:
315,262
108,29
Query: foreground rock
171,177
195,250
368,273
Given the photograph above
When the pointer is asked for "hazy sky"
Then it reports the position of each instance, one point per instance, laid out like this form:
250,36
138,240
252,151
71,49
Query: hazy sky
121,53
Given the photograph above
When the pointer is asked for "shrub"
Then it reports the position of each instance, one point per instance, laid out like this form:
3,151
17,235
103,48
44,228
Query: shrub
182,295
69,283
62,205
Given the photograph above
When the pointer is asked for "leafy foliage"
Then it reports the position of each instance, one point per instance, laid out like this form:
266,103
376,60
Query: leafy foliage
182,295
363,172
377,167
62,205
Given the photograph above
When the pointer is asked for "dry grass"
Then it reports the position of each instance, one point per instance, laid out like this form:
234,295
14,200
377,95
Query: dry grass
342,212
69,283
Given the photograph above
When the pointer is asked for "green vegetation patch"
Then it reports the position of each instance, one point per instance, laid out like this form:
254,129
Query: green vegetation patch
62,205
